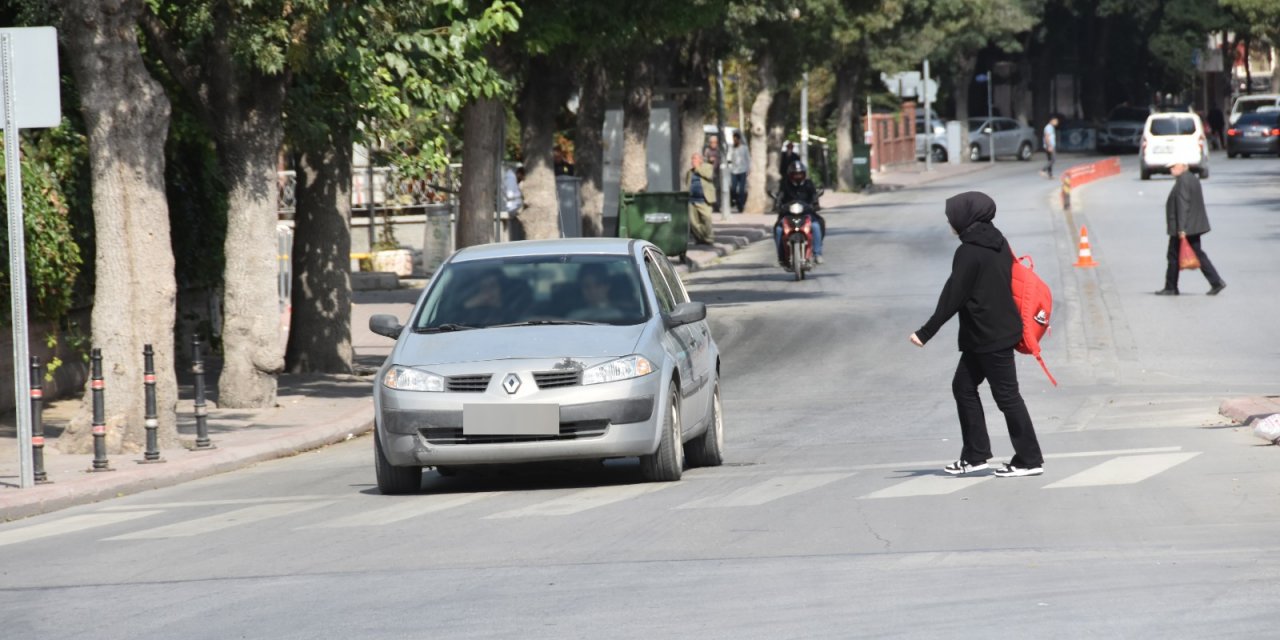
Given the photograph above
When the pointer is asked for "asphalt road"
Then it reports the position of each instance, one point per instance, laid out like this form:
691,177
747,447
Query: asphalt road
831,519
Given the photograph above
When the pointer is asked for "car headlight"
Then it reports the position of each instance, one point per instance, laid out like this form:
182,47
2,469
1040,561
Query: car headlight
410,379
620,369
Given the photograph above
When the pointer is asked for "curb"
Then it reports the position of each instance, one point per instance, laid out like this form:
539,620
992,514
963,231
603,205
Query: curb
1248,410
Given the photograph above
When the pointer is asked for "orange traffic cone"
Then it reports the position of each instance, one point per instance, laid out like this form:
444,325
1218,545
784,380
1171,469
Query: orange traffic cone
1086,256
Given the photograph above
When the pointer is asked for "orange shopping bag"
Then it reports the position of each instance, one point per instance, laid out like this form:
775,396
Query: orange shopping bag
1187,256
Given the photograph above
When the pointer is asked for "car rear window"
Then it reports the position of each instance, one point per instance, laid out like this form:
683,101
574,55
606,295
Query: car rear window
1265,117
587,289
1173,127
1249,106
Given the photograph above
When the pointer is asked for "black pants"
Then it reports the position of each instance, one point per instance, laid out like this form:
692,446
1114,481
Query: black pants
1048,168
1206,267
999,371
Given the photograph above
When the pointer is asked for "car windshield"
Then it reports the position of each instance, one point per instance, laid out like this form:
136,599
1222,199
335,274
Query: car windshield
1173,126
1263,117
564,289
1128,114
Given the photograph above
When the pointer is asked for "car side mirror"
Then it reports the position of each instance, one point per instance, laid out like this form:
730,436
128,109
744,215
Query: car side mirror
386,325
686,313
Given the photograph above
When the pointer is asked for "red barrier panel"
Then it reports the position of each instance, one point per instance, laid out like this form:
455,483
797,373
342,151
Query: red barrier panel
1086,173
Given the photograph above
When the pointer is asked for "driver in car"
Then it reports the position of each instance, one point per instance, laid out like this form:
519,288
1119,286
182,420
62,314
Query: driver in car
799,188
597,298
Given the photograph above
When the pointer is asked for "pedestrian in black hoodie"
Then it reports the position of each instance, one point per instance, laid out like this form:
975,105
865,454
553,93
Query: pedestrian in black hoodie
979,289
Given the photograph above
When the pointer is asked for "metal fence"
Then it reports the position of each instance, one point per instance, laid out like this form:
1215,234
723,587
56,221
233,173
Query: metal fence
392,194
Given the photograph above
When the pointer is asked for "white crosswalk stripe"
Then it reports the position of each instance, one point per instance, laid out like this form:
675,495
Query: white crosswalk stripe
405,508
69,525
580,501
931,485
220,521
1123,470
767,491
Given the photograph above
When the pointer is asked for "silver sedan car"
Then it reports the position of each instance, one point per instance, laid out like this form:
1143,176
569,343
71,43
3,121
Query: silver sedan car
1012,138
575,349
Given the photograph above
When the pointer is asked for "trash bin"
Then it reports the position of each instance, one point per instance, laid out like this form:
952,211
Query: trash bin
659,217
568,197
437,240
861,166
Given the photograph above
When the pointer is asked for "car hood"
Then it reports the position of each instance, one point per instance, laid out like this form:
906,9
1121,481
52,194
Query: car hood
509,343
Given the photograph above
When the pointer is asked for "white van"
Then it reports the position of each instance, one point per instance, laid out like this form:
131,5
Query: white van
1173,137
1249,104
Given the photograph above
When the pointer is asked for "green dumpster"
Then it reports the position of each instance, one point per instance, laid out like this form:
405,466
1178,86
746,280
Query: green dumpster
861,166
659,217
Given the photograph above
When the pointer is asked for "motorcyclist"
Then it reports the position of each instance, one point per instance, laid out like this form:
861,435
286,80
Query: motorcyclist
797,187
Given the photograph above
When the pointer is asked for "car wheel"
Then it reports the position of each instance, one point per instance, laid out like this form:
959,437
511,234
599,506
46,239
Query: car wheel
975,154
708,449
1231,155
939,154
1204,173
1144,172
393,480
1024,152
667,463
1245,155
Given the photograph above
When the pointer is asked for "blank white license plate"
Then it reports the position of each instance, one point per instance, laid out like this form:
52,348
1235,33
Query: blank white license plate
1161,149
510,419
1253,134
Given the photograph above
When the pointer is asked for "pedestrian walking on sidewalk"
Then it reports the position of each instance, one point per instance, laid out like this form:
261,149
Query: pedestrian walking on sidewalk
1185,217
702,197
739,167
1050,145
980,290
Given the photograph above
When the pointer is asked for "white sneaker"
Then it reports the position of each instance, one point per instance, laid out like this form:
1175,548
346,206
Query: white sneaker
960,467
1010,471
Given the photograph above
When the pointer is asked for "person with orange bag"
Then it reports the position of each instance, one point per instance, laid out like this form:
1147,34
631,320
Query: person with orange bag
1186,219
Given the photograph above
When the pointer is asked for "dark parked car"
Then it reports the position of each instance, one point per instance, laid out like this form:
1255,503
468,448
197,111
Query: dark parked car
1257,132
1123,129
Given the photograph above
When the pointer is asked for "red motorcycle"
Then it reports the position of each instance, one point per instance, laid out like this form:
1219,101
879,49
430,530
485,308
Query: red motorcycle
797,238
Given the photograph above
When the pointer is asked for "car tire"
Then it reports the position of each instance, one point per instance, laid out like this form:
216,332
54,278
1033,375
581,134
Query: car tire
1204,173
393,480
975,153
1024,152
708,449
939,154
1232,155
666,464
1144,172
1245,155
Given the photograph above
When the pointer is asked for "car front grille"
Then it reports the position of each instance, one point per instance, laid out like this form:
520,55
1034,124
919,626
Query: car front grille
468,384
554,379
568,431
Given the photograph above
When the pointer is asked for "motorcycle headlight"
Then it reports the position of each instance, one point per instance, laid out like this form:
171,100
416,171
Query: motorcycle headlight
410,379
797,208
620,369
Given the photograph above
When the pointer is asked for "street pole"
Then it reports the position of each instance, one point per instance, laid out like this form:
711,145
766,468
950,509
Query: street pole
17,270
723,175
991,126
804,120
928,122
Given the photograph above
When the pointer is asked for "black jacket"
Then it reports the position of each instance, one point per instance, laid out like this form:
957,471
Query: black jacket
979,288
1184,210
790,192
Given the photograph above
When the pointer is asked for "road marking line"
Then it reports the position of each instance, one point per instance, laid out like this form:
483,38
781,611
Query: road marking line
404,509
928,486
220,521
1053,456
1124,470
213,503
767,491
579,501
69,525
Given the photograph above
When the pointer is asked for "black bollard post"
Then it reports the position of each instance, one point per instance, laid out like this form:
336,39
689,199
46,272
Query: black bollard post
97,385
37,421
202,427
152,454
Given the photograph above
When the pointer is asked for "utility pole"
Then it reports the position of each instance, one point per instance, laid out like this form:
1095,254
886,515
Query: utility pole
804,120
721,174
991,125
928,122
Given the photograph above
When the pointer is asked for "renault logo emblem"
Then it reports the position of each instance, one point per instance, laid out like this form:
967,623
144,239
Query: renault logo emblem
511,383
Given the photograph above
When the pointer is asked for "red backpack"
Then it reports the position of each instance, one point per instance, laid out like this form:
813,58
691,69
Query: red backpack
1035,305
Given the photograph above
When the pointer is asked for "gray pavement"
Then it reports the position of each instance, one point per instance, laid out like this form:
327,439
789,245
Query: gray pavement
314,411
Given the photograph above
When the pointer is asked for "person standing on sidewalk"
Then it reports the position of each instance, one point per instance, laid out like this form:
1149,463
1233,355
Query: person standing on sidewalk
1050,145
1185,217
740,166
980,290
702,197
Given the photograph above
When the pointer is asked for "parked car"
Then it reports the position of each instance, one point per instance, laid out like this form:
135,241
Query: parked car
1012,138
932,137
571,349
1173,137
1251,103
1122,130
1257,132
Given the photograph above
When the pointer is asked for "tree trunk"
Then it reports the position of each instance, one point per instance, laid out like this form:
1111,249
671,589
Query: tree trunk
693,118
481,152
588,148
846,96
777,123
761,166
544,93
126,113
635,125
320,328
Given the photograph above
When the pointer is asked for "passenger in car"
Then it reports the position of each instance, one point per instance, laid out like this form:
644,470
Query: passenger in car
484,306
597,298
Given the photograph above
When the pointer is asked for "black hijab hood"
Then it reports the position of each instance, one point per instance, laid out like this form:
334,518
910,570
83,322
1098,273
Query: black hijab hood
970,207
970,214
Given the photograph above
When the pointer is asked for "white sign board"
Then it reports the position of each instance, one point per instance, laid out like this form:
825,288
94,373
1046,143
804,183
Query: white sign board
35,77
907,84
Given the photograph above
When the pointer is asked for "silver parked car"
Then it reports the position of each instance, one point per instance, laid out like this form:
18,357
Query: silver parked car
1012,138
549,350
